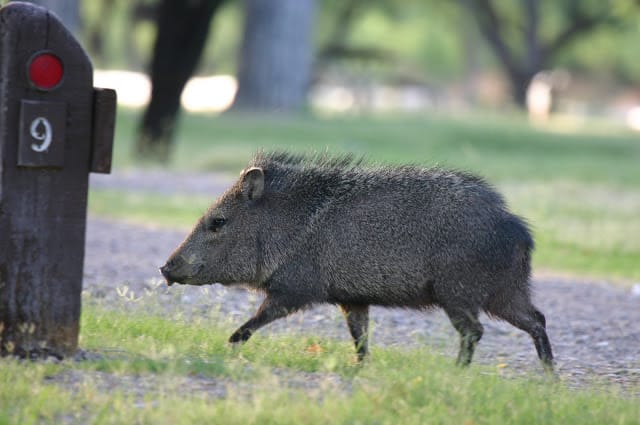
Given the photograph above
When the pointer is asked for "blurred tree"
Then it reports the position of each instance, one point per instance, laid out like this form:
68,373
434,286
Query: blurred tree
97,31
414,42
276,55
103,18
344,15
522,42
67,10
182,32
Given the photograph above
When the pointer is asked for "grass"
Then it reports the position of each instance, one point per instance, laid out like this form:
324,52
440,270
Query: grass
582,229
149,208
578,188
502,149
157,368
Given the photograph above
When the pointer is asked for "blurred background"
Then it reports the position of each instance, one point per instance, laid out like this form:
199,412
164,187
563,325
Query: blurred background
540,96
576,58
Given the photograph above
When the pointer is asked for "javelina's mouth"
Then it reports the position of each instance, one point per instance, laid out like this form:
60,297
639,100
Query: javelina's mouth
180,275
169,281
167,275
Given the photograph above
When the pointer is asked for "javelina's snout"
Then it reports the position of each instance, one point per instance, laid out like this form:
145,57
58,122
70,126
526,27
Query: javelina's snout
177,270
166,272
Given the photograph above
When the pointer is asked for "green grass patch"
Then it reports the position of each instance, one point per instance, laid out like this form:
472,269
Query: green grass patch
150,378
582,229
502,149
149,208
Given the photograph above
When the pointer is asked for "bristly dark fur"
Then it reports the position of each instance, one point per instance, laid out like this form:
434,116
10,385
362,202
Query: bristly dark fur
347,162
303,162
323,228
292,169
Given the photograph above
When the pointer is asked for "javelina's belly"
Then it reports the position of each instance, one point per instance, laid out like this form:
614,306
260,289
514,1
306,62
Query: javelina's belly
390,293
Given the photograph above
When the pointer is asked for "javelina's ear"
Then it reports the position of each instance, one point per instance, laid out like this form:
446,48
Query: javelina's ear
253,184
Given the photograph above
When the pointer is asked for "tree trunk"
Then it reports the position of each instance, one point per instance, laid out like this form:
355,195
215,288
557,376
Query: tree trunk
536,51
520,84
276,54
183,27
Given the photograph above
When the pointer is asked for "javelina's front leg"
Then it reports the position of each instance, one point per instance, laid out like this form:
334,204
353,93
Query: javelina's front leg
358,321
470,329
272,308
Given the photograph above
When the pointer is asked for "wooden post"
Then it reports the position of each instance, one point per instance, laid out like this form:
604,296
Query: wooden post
54,130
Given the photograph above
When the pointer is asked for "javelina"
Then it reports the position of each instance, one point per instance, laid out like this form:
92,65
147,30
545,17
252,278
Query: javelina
321,229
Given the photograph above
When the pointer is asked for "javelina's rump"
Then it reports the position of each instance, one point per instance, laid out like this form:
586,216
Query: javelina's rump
309,230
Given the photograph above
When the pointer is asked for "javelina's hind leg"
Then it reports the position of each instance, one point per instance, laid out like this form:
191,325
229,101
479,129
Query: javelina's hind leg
541,341
271,309
522,314
358,321
470,329
534,323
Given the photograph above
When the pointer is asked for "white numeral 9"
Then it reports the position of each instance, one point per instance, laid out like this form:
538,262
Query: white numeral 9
37,126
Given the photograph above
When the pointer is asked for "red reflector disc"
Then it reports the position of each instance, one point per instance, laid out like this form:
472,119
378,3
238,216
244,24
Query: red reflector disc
45,71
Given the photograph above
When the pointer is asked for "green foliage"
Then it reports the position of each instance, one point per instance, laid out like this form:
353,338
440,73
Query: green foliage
223,44
606,51
126,43
419,46
430,41
164,369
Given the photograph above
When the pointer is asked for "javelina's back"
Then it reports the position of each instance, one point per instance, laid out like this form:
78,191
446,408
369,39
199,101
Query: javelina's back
328,229
414,237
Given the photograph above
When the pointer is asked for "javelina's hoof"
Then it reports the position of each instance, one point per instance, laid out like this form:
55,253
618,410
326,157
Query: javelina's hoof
359,360
549,369
240,336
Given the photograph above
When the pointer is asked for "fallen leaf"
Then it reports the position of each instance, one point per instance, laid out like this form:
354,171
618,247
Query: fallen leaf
314,348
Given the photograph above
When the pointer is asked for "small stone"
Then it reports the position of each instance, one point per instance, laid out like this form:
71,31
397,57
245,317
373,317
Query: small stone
635,290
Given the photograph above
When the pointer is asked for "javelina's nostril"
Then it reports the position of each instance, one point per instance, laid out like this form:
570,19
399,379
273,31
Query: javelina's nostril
166,272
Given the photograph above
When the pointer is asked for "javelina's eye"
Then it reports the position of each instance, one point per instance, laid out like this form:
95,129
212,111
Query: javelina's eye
216,224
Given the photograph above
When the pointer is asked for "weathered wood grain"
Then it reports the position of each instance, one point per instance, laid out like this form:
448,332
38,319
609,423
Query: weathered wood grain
43,186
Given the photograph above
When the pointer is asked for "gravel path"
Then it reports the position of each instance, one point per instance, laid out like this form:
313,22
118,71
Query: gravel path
593,326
